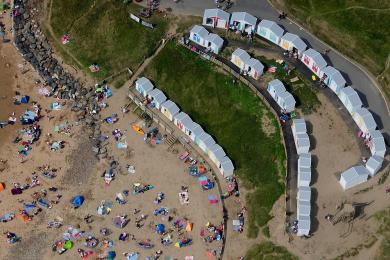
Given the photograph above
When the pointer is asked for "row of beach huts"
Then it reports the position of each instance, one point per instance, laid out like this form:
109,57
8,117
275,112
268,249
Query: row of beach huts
158,101
315,62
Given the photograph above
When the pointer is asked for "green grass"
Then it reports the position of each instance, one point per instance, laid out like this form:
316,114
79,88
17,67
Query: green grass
265,232
358,28
305,95
102,32
384,177
233,115
383,218
267,250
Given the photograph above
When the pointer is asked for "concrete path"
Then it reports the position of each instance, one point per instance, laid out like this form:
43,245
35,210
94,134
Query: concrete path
354,73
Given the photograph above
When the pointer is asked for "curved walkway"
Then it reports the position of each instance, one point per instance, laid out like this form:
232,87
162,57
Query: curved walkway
354,73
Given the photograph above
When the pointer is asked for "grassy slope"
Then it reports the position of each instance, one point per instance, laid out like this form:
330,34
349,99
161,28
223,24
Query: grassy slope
358,28
233,115
383,218
102,32
267,250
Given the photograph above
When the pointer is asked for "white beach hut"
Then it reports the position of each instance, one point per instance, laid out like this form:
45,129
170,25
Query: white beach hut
303,225
298,126
275,88
143,86
240,58
198,34
304,193
216,18
304,177
205,141
314,61
377,143
364,119
226,167
254,68
374,164
304,160
350,99
270,31
242,21
303,208
183,122
286,101
292,42
169,109
156,98
216,154
195,130
353,177
214,43
333,79
302,143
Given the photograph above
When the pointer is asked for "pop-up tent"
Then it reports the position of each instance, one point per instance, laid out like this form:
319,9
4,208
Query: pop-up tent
160,228
77,201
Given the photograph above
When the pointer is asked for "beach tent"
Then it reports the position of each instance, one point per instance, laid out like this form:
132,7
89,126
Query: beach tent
214,42
292,42
364,119
377,143
143,86
304,193
156,97
183,122
195,130
169,109
374,164
198,35
304,160
205,141
240,58
304,177
77,201
226,167
354,176
275,88
216,18
303,225
286,101
303,208
242,21
216,154
298,126
350,99
270,31
2,186
333,79
254,68
160,228
302,143
314,61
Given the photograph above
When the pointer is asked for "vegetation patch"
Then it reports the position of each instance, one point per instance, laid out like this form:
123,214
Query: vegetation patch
102,32
268,250
383,218
233,115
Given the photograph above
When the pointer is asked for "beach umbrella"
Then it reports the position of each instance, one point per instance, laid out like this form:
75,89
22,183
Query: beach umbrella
68,245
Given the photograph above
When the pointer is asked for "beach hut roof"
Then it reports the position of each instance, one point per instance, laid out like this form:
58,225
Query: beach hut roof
375,134
217,13
157,95
335,75
206,139
244,16
304,208
367,117
196,129
303,225
304,174
378,142
304,193
300,125
183,118
303,140
255,64
170,106
215,39
304,160
145,84
226,164
374,162
316,57
295,40
243,55
199,30
354,173
287,97
218,151
352,96
277,85
272,26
